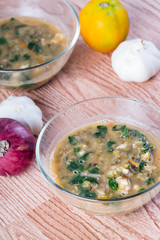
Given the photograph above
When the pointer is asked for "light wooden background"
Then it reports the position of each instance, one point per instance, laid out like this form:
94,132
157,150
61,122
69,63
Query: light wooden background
30,209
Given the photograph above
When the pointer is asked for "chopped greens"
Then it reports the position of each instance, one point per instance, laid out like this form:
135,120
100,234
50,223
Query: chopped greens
137,134
150,180
8,65
110,143
83,158
142,165
94,170
128,132
4,27
88,166
125,132
17,32
35,47
113,184
25,57
102,130
118,127
77,149
14,58
147,147
141,189
87,193
2,41
78,164
75,166
110,150
91,179
21,26
72,140
78,179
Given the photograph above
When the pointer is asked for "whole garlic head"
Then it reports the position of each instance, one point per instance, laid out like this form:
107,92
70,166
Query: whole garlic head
24,110
136,60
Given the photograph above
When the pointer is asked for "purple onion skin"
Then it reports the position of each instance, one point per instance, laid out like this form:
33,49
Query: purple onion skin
21,152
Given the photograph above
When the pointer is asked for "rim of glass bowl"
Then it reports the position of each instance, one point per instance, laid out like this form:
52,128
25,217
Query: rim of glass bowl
72,43
70,193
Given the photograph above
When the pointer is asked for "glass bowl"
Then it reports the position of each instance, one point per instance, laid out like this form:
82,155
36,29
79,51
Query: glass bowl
58,12
104,109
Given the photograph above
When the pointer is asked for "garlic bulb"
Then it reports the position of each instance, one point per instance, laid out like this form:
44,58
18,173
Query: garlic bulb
136,60
24,110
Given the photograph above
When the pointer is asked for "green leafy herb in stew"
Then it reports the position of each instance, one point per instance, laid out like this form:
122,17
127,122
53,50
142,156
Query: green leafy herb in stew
101,131
72,140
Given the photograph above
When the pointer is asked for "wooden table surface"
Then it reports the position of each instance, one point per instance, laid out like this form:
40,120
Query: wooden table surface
29,206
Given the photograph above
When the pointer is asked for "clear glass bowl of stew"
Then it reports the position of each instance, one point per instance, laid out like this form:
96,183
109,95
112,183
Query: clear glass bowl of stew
98,110
59,13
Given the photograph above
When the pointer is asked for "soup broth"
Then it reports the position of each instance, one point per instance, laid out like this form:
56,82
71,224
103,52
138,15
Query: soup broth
26,42
107,161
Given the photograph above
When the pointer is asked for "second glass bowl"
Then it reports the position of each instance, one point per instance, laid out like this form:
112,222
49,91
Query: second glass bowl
58,12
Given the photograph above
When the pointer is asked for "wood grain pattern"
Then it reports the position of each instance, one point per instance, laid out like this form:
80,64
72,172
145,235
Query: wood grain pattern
30,209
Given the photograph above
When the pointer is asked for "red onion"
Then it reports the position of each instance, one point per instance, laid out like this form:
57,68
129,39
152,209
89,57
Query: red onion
17,147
